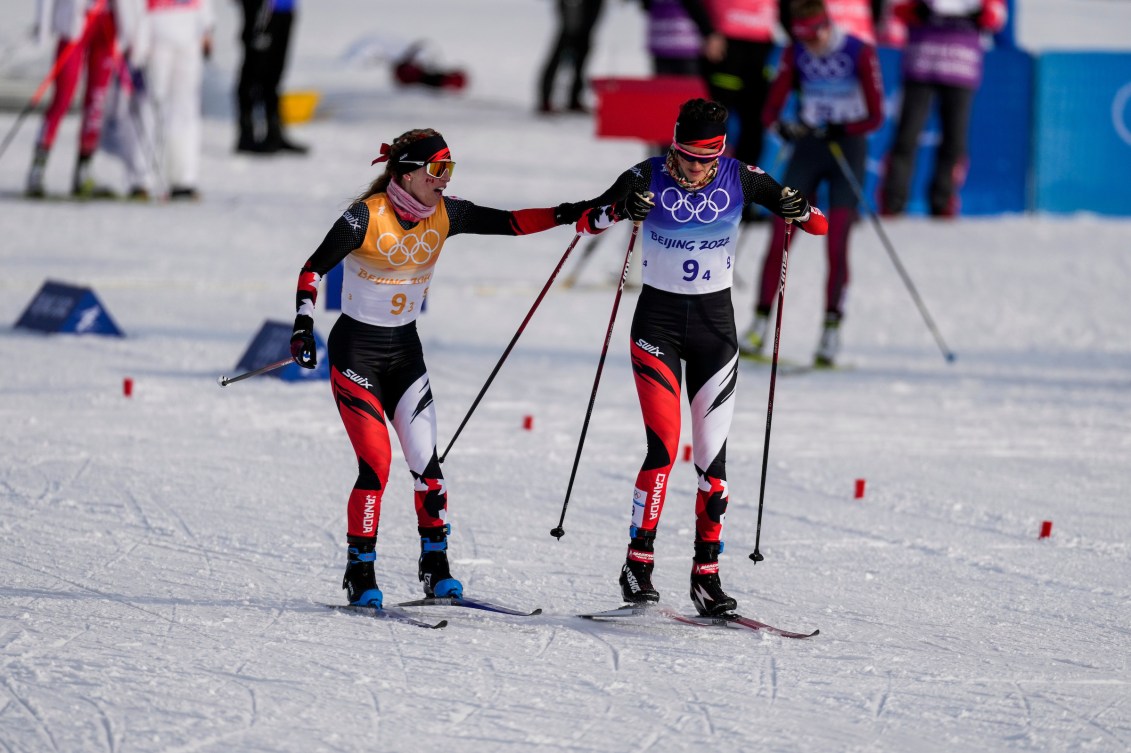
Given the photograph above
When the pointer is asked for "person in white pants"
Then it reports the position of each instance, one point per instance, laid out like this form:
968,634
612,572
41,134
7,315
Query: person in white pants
181,39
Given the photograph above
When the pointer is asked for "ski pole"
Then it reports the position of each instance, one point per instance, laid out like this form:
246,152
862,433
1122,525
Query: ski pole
757,555
559,530
838,155
225,381
60,60
510,347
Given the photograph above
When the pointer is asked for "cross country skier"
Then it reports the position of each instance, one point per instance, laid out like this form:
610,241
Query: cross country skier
690,203
840,97
390,240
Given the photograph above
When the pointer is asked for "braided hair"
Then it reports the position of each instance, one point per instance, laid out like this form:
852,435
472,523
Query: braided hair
399,146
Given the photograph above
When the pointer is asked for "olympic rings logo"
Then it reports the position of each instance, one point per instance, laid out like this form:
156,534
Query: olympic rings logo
418,249
694,206
827,68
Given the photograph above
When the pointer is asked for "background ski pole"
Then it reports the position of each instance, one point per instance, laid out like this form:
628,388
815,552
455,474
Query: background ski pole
838,155
225,381
510,347
757,555
586,254
559,530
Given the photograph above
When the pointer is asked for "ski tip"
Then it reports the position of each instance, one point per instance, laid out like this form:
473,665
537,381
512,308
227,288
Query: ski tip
440,624
536,612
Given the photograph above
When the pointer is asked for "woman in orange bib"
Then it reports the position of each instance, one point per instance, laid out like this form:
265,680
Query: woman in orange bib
389,241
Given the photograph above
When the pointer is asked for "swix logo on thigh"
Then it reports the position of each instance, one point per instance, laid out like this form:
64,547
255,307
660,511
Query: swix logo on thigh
353,376
648,347
368,513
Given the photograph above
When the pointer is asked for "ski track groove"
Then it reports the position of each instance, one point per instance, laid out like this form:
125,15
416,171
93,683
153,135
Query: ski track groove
105,724
54,488
970,560
614,653
882,700
120,601
1086,720
23,703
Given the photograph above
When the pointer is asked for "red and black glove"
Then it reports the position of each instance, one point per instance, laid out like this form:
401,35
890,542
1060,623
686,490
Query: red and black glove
635,206
303,350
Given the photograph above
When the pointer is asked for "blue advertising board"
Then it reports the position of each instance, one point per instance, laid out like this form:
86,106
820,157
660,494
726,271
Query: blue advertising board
59,307
1082,154
273,343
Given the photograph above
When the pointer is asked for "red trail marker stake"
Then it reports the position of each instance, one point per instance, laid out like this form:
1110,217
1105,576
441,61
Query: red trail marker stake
859,494
1046,529
127,387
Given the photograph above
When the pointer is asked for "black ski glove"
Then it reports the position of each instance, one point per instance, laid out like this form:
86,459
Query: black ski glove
790,131
567,213
794,206
303,350
830,132
635,206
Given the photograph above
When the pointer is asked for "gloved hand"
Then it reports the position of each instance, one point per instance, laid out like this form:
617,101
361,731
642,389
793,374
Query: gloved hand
303,349
567,213
635,206
790,131
830,132
794,206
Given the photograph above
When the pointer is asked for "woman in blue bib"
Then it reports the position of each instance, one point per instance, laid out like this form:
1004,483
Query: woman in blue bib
689,203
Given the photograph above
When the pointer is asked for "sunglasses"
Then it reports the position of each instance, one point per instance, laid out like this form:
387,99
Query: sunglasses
442,169
702,159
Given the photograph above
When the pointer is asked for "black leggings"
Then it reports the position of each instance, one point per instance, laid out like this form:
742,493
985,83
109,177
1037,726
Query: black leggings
699,331
374,371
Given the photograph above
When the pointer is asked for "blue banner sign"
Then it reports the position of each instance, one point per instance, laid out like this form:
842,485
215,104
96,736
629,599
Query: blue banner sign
59,307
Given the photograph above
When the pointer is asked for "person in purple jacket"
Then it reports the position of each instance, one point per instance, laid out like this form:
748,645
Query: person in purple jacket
943,60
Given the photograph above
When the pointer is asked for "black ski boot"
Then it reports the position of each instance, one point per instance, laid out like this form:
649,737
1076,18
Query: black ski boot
434,573
360,581
707,592
636,575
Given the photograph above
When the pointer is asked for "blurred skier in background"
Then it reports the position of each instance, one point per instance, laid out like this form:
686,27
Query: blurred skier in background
87,34
689,203
836,77
390,240
943,61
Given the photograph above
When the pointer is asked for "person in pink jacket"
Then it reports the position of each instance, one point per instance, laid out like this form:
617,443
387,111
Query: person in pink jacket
942,61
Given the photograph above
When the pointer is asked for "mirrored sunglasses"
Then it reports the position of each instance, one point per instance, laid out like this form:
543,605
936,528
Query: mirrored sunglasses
442,169
703,159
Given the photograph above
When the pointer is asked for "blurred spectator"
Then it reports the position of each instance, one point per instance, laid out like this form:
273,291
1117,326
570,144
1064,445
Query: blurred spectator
181,40
85,30
840,101
674,41
738,39
943,59
576,21
265,37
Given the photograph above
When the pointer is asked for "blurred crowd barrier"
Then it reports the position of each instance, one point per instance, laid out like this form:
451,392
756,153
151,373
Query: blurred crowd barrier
1050,132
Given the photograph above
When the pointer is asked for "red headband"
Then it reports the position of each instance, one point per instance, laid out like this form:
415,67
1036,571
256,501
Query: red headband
806,29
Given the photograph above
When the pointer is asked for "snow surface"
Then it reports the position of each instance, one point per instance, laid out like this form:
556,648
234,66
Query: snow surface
166,556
